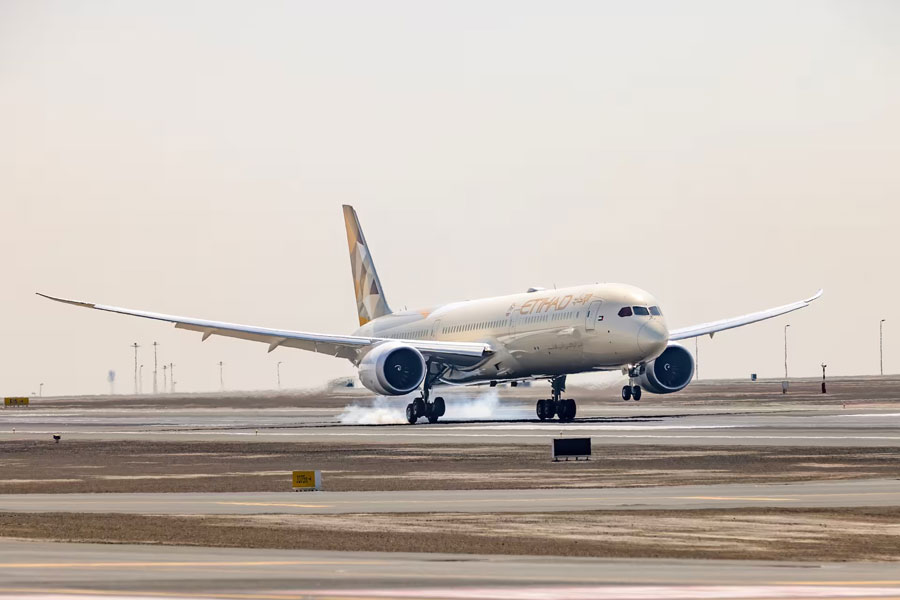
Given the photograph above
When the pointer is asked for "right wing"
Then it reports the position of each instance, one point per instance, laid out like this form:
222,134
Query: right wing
722,325
343,346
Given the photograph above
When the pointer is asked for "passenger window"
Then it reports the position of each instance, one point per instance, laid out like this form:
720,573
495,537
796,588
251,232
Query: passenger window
625,311
641,310
654,310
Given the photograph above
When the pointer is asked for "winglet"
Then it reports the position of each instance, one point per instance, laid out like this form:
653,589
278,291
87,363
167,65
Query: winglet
64,301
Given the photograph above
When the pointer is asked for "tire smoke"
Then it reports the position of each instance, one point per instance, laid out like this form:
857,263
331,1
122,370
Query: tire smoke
460,407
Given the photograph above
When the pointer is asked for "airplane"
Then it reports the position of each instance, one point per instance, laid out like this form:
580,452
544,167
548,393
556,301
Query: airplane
540,334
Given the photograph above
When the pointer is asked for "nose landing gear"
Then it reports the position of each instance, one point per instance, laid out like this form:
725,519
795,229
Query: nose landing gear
632,390
556,406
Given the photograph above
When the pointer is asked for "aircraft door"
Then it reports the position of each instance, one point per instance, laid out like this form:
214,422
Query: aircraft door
436,329
593,316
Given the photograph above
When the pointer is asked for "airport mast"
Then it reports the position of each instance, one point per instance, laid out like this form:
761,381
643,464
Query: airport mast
221,376
135,346
881,346
155,367
785,351
172,378
697,359
278,373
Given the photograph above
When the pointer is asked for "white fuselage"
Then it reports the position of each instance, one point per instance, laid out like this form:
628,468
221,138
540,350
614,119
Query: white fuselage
540,333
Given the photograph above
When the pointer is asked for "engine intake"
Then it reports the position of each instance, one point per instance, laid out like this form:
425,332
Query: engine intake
392,369
669,372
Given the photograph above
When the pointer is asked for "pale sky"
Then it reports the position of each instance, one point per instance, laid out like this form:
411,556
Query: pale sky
192,157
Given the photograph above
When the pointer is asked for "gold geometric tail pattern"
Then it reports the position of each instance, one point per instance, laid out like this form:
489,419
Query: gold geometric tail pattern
370,301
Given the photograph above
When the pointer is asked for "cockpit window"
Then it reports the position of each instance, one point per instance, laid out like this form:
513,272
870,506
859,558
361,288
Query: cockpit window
625,311
641,310
654,310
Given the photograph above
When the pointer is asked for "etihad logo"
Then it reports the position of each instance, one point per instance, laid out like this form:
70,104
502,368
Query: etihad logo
552,303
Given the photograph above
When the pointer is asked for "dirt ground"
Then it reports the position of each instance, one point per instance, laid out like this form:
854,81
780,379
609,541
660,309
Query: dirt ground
148,466
871,534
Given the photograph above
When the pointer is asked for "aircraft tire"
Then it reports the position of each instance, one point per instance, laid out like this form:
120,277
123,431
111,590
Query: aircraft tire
636,393
571,409
626,393
418,407
439,407
411,416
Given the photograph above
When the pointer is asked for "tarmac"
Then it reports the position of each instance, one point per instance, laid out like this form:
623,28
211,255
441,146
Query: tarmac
703,415
654,422
54,570
809,494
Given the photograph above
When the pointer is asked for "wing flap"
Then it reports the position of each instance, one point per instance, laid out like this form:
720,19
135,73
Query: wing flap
723,324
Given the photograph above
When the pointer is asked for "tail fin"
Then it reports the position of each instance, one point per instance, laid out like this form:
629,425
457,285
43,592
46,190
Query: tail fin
370,301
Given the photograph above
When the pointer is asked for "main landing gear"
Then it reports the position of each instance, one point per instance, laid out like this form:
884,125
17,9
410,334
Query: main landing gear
632,390
421,407
555,406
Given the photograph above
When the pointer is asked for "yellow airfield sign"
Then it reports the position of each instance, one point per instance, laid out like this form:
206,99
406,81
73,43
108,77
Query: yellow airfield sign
15,402
306,481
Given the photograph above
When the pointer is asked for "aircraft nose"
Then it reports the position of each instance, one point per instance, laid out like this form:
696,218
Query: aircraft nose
653,337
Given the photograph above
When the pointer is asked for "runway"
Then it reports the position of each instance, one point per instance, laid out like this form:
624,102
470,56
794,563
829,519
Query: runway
849,493
53,570
659,424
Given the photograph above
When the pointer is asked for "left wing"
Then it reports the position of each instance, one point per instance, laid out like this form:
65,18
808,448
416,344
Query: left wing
714,326
343,346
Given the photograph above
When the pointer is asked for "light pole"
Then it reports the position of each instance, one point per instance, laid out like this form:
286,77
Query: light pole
172,378
785,351
881,346
41,390
155,368
823,377
278,373
135,346
696,360
141,380
165,380
221,376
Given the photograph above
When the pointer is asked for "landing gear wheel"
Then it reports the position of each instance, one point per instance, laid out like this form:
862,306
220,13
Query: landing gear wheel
432,415
566,410
439,408
550,409
411,416
626,393
636,393
418,407
541,410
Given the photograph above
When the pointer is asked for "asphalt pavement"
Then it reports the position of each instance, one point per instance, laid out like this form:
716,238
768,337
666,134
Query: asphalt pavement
815,494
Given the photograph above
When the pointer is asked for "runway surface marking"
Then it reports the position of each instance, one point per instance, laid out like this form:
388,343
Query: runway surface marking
191,564
282,504
620,592
610,592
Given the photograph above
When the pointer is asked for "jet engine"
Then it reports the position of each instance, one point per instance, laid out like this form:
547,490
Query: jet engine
669,372
392,369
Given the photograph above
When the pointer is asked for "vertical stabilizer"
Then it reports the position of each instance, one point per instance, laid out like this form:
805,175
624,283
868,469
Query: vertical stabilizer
370,301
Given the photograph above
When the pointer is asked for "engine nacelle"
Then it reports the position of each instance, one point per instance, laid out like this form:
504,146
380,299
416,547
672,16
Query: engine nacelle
392,369
669,372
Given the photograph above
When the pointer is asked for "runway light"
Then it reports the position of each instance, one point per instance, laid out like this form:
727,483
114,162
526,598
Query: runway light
56,437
